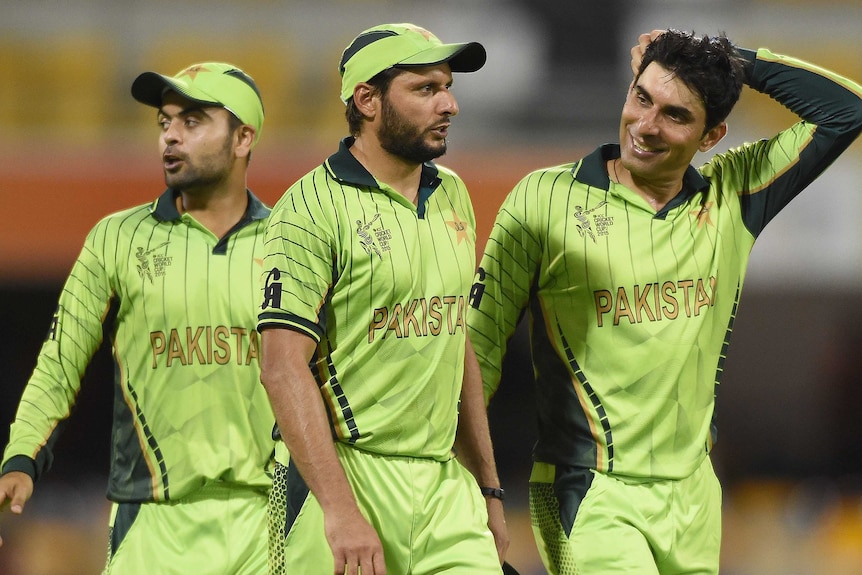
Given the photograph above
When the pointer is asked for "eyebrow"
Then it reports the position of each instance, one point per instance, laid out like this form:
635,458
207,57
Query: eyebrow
186,111
678,111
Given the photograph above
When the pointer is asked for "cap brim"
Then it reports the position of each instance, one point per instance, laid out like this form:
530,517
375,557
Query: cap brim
149,88
467,57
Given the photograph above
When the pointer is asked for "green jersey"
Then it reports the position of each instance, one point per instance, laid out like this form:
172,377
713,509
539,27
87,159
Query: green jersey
631,310
179,305
381,285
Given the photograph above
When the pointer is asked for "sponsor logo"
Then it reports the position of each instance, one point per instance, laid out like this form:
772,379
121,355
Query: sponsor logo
272,290
478,289
55,324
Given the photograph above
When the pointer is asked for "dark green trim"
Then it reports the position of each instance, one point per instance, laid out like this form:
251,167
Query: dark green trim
21,463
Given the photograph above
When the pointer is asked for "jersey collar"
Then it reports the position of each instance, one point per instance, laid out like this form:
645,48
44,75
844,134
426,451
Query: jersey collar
592,171
164,208
344,167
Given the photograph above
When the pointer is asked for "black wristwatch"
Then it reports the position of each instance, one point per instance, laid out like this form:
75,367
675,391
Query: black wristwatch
494,492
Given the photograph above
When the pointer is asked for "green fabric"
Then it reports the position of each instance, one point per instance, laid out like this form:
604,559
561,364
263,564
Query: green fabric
179,306
630,310
382,287
630,527
430,516
220,529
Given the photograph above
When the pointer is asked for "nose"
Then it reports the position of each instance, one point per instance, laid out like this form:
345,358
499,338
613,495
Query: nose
171,133
647,123
449,104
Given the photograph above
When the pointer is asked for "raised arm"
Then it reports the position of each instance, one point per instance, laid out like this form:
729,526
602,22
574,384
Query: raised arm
769,173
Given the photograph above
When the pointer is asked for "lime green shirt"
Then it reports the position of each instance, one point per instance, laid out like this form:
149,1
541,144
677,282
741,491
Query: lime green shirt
381,285
179,306
631,310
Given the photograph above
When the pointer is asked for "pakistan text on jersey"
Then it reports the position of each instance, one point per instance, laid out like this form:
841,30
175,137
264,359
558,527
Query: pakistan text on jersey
652,302
204,345
419,317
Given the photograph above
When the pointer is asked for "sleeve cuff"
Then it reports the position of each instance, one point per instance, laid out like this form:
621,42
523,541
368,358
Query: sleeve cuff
20,463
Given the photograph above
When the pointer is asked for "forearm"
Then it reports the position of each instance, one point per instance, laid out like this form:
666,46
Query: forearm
301,417
473,439
73,336
813,93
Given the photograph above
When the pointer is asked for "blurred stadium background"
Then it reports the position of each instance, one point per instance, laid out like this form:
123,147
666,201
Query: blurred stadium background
75,146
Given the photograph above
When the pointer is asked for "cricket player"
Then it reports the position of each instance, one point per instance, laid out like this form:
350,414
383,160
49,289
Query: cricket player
174,284
370,260
629,263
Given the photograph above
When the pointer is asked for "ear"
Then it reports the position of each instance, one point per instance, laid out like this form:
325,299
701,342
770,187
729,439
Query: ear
365,99
245,135
712,137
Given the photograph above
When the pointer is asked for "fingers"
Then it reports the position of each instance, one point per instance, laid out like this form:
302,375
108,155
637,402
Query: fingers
18,501
15,490
379,564
637,51
360,559
369,565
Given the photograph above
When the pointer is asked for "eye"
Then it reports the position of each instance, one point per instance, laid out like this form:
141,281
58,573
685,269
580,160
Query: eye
164,124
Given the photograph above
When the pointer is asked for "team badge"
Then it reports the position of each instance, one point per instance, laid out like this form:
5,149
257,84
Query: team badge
460,227
702,215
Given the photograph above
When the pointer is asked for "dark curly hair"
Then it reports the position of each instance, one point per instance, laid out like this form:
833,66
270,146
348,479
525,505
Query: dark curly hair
710,66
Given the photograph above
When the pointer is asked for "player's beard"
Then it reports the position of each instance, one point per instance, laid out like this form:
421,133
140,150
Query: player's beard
403,138
202,172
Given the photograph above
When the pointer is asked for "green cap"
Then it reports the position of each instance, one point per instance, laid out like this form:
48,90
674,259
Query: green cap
209,83
389,45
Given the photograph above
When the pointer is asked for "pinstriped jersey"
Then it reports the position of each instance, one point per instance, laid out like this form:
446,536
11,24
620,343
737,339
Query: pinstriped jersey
631,310
179,305
381,285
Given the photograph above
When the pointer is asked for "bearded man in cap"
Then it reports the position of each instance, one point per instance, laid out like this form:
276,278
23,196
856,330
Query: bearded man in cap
174,284
370,259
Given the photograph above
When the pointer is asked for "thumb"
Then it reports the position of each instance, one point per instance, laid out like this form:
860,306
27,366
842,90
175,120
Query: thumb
19,499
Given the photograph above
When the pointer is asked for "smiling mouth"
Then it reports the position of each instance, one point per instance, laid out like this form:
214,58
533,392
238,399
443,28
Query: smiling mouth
642,148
